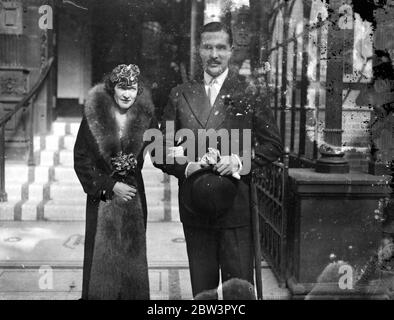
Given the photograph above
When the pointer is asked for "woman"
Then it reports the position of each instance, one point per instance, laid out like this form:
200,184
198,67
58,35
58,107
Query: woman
108,158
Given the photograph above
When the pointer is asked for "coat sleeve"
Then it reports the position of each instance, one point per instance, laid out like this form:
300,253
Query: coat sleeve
267,139
168,164
148,141
94,181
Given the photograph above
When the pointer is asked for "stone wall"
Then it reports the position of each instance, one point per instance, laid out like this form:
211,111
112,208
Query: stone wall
24,51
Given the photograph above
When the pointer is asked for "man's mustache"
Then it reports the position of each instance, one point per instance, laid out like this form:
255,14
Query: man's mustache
213,61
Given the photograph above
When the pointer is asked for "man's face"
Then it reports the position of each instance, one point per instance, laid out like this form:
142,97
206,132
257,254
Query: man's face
215,52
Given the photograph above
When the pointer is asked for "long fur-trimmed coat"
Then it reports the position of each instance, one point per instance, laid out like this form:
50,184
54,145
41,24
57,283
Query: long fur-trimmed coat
115,265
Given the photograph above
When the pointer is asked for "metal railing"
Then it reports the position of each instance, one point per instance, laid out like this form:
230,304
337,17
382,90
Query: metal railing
25,103
270,182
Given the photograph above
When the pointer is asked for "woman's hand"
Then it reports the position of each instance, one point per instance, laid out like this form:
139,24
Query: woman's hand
124,191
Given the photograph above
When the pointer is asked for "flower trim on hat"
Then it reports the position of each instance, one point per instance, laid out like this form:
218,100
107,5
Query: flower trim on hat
125,75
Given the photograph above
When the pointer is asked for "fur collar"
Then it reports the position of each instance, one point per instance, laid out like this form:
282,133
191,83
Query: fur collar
100,115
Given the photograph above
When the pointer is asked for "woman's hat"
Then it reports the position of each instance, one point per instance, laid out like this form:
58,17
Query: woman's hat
205,192
126,75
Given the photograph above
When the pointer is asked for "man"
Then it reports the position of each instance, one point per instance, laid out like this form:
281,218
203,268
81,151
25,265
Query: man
218,239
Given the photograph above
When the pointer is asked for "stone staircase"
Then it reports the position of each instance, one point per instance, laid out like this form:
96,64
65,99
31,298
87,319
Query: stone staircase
51,191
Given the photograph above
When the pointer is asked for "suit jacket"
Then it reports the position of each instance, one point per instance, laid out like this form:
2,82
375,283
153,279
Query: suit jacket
235,108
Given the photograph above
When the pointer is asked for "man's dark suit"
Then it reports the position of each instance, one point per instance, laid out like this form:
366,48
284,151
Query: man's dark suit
227,239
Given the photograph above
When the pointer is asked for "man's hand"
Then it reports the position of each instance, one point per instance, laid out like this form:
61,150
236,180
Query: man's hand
124,191
227,166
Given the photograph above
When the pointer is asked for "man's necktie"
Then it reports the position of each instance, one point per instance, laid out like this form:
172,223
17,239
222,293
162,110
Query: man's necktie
212,92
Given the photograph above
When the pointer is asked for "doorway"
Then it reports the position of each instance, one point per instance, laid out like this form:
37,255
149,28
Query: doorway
150,34
91,42
74,57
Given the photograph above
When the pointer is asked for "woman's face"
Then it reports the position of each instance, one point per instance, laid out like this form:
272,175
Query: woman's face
125,95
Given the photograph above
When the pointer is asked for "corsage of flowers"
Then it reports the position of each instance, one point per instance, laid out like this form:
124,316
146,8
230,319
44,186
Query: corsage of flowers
123,164
238,105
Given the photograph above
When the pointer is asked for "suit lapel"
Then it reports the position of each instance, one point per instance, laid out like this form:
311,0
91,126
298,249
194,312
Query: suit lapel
198,102
219,110
196,97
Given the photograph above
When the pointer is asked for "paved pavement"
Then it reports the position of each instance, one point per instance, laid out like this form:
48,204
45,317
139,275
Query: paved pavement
43,260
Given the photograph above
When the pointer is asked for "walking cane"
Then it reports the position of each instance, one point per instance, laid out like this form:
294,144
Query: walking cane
256,240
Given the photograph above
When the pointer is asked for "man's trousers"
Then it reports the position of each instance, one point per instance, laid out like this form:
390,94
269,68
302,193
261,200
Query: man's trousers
214,250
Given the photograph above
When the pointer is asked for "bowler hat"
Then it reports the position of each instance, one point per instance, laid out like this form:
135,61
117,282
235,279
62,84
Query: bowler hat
205,192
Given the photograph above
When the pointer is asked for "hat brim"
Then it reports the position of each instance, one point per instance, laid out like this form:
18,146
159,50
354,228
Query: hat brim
185,194
198,172
186,190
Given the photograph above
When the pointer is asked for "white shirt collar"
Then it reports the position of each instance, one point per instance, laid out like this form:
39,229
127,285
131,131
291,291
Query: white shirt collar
220,78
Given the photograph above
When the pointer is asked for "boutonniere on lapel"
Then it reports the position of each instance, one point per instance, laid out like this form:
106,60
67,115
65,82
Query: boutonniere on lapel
123,164
237,105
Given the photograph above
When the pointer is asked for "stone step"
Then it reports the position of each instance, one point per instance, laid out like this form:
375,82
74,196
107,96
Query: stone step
65,191
74,210
47,158
69,142
42,174
64,211
152,176
14,190
29,210
22,173
61,128
66,158
53,142
38,143
175,213
16,173
63,161
73,128
65,175
40,190
74,192
51,190
68,191
7,210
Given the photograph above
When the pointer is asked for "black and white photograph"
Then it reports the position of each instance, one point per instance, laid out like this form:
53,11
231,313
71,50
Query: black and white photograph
168,150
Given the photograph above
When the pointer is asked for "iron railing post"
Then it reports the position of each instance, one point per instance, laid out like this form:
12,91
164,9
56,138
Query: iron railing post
3,194
256,240
31,161
284,200
193,32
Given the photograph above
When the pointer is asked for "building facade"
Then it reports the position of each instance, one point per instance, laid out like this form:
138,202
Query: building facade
313,58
